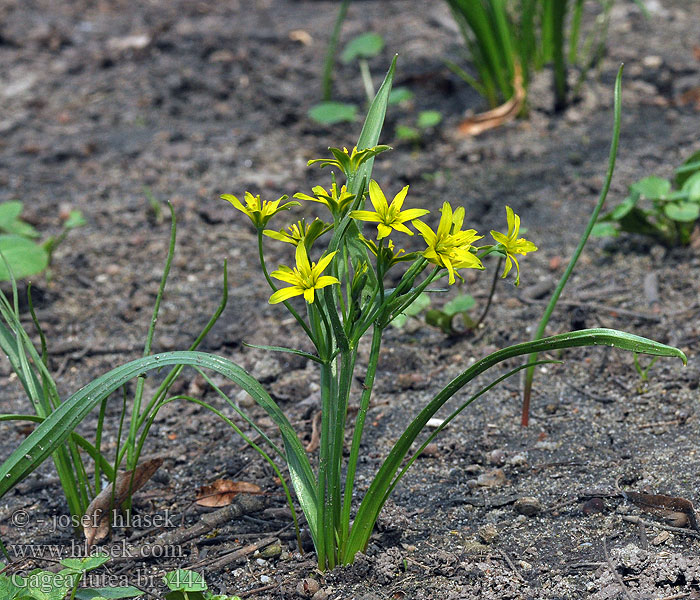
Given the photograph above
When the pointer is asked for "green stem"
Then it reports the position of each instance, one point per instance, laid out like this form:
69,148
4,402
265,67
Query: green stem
480,320
327,81
131,458
529,374
366,79
326,533
357,433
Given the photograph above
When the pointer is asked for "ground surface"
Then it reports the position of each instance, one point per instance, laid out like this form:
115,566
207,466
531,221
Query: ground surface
211,98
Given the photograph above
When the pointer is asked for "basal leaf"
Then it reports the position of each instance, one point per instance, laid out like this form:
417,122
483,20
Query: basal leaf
652,188
685,212
25,257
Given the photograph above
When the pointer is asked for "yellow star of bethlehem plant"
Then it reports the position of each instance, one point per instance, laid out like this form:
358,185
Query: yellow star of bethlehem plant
349,162
259,211
449,246
336,201
513,245
300,231
305,277
389,216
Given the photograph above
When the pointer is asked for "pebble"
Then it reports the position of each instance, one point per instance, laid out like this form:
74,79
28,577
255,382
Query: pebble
528,506
518,460
662,538
488,533
265,579
307,587
494,478
497,457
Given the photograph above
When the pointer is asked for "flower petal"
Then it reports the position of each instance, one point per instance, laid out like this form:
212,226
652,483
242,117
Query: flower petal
323,263
412,213
397,202
427,233
325,280
377,198
235,201
402,228
365,215
383,231
285,294
445,225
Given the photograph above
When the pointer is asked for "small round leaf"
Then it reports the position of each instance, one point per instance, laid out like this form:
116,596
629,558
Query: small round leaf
686,212
366,45
330,113
24,256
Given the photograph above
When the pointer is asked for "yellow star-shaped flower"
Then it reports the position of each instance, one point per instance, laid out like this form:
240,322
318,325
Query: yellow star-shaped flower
449,246
389,216
259,211
300,231
349,162
513,245
305,278
337,201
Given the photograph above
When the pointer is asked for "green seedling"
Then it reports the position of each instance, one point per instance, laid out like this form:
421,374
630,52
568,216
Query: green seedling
336,291
419,305
643,372
448,317
23,256
190,585
47,585
360,49
427,119
664,210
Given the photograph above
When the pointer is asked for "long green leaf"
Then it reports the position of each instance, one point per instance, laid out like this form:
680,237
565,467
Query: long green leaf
369,136
617,119
58,426
375,496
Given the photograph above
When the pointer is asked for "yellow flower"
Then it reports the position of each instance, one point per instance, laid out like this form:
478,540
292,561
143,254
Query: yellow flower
513,245
259,211
349,162
449,246
305,277
300,231
389,216
336,201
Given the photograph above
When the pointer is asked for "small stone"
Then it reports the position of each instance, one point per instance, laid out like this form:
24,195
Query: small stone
662,538
528,506
271,551
593,506
652,61
494,478
518,460
430,451
244,399
265,579
488,533
497,457
307,587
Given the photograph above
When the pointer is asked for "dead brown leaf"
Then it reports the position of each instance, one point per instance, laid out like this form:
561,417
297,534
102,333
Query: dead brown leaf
96,522
222,492
496,117
679,512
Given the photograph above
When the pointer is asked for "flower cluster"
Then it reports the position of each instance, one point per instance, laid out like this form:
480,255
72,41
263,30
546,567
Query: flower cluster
450,248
